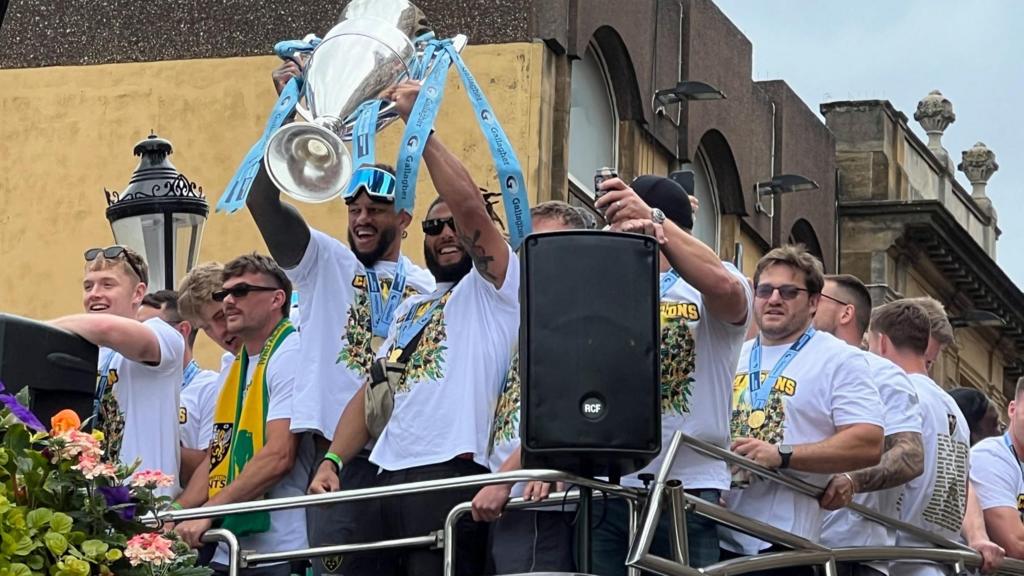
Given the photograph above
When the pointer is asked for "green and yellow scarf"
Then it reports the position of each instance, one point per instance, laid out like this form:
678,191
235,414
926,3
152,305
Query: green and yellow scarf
240,422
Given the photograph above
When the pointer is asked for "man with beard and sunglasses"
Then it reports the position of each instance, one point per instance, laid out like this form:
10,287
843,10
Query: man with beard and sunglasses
140,363
349,295
461,338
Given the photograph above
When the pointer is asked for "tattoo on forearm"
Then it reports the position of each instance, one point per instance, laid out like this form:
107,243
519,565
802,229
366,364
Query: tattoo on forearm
902,461
481,259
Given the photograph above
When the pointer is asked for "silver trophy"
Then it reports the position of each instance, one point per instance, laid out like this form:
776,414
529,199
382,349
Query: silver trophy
369,50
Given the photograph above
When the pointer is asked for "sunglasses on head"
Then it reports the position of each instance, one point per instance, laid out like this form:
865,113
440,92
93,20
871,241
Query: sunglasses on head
378,184
435,226
786,291
112,253
240,291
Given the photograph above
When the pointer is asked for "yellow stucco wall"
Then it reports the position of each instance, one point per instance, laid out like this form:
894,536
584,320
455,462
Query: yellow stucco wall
68,132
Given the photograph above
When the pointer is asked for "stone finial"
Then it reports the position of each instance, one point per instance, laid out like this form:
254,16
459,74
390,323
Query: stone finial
978,164
935,114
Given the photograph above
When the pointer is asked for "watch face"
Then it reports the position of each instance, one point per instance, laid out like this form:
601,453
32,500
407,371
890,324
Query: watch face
785,449
657,216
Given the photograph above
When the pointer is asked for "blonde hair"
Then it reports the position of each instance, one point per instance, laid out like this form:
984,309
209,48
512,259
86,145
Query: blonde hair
131,262
941,330
197,288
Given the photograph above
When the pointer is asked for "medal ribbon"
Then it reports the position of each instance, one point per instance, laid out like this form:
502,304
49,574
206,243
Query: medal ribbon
761,391
190,372
421,122
413,323
383,313
668,280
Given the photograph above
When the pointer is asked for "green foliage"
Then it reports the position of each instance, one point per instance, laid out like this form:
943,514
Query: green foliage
55,521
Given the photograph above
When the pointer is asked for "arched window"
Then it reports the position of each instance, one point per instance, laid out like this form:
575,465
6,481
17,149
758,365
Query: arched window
706,223
593,122
803,233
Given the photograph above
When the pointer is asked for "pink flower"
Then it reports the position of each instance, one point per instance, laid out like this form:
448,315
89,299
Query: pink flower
92,468
149,547
152,479
74,442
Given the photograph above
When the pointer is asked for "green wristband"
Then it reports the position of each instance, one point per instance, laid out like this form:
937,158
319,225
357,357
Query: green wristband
338,464
177,506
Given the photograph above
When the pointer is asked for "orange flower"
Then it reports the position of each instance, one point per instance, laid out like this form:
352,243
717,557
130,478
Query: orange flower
64,421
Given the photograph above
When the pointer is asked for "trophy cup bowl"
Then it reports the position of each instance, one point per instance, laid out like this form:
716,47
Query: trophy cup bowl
358,59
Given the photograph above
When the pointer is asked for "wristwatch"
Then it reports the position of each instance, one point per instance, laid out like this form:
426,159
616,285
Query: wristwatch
657,216
785,452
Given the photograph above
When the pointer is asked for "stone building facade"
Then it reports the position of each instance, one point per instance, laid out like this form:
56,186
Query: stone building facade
908,228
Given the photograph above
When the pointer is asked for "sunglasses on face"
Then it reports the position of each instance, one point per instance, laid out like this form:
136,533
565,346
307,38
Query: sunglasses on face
240,291
786,291
378,185
836,300
435,226
112,253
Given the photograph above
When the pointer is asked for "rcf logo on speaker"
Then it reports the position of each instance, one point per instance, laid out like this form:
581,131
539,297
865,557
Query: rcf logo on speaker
592,407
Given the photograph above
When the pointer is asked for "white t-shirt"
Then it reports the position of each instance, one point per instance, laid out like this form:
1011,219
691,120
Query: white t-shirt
287,527
337,329
844,527
827,385
140,406
698,363
997,475
198,404
446,399
937,499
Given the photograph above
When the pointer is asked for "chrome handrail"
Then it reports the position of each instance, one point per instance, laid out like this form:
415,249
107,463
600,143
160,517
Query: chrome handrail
815,492
269,505
642,526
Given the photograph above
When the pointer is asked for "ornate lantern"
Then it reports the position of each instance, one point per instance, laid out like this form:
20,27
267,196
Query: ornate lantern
161,215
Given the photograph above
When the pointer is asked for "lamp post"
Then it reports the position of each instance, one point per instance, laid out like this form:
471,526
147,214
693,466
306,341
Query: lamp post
161,215
781,184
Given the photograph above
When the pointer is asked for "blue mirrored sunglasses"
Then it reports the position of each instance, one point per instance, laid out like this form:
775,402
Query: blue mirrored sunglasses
378,184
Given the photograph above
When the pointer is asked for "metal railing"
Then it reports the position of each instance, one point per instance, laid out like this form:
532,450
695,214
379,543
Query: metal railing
663,493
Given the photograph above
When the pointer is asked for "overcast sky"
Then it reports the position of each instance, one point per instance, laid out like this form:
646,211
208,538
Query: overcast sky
899,50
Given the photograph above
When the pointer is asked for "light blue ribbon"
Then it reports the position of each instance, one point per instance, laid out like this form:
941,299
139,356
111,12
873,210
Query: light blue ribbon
238,188
421,121
364,134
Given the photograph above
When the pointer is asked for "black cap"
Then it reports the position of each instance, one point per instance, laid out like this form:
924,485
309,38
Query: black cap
668,196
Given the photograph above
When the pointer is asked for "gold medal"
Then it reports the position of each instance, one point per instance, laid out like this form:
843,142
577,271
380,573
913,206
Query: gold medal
756,419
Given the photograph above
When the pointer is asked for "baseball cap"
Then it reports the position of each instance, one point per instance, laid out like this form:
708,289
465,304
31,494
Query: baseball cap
666,195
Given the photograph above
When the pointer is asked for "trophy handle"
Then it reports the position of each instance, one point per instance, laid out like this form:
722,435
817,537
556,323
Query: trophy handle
303,112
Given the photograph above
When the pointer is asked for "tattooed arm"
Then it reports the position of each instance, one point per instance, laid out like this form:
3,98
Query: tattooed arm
902,461
477,232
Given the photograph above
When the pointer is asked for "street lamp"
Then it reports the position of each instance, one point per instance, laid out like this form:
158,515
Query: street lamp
977,317
781,184
685,90
161,215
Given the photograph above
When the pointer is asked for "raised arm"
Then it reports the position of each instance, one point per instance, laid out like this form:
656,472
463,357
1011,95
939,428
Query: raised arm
695,262
280,224
133,339
282,227
477,232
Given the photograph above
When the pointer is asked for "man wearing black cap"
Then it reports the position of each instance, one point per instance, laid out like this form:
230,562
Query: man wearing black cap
705,309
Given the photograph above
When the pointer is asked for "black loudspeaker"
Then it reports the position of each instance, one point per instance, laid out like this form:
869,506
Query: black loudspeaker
57,367
589,352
